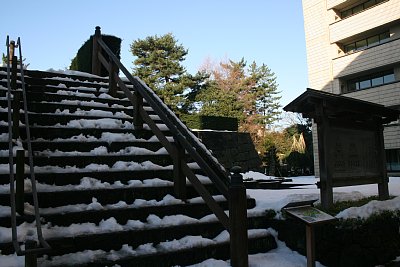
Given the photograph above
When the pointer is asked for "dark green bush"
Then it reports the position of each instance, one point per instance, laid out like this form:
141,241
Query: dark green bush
83,59
195,121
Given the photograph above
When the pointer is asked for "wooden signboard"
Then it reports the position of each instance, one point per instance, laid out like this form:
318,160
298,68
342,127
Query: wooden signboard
353,157
350,140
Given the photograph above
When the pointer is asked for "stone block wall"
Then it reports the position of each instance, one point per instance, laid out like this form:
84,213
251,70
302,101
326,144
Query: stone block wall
231,149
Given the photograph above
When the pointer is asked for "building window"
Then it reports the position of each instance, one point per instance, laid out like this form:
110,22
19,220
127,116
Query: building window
393,160
360,7
372,80
367,42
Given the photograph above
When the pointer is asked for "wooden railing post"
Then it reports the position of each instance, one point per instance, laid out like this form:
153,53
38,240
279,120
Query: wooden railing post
179,176
30,243
16,95
20,176
137,105
13,61
112,82
96,65
238,220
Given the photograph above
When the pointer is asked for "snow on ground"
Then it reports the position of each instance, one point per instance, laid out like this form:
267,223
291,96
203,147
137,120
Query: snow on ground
282,256
277,199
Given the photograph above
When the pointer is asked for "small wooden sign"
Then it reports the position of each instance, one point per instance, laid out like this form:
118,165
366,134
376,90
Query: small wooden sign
309,214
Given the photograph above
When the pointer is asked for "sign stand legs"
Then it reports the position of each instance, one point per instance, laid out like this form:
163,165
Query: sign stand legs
310,240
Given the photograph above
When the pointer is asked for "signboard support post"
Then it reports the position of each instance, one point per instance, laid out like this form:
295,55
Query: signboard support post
383,187
310,240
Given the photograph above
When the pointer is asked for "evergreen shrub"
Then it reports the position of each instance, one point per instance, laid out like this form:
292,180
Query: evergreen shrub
83,59
200,122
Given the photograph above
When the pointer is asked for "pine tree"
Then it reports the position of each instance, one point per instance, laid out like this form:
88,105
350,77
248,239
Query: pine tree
159,65
266,93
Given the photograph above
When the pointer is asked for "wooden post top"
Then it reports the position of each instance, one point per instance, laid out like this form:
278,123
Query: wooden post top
97,31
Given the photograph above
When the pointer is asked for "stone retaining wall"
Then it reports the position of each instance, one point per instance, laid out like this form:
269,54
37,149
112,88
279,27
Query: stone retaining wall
231,148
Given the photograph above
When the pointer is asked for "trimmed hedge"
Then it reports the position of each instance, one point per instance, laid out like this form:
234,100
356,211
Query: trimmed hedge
351,242
83,59
194,121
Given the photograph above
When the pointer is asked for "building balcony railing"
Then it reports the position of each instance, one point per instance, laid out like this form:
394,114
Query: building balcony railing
334,3
371,18
387,94
371,58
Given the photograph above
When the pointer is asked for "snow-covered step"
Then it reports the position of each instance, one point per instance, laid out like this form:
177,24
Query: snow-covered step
53,132
109,176
104,196
72,105
154,231
76,90
121,211
68,75
55,97
39,96
110,160
90,145
162,160
65,118
39,85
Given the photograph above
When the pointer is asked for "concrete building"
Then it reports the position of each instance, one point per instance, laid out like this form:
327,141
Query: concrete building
353,48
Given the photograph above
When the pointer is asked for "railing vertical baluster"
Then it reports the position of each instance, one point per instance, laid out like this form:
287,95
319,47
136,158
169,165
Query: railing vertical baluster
20,176
238,220
17,96
179,176
112,82
137,105
96,64
30,259
13,66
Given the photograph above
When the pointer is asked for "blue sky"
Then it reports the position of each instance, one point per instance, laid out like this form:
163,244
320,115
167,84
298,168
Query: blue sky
265,31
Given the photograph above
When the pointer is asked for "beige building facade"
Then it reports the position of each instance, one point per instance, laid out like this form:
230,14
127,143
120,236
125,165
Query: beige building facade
353,49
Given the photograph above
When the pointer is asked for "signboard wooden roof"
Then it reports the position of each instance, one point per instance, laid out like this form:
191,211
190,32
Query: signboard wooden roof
339,106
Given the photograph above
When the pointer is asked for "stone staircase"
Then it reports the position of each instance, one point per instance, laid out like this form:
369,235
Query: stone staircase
105,189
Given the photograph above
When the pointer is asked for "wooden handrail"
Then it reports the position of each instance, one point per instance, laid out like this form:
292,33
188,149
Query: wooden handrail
180,132
235,193
13,124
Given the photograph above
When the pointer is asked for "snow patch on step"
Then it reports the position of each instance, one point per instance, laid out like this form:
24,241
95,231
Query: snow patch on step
105,226
87,256
101,151
102,123
76,73
93,167
92,112
74,93
105,137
